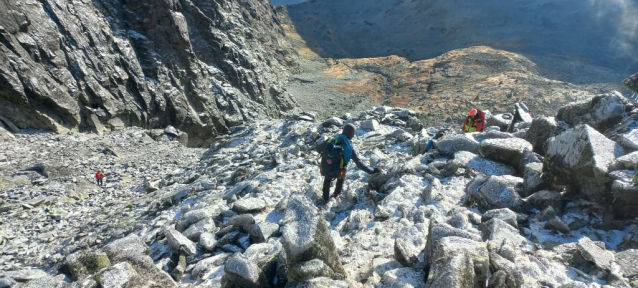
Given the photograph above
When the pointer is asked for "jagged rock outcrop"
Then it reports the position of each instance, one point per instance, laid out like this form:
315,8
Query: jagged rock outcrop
632,82
306,239
201,66
581,157
601,112
541,130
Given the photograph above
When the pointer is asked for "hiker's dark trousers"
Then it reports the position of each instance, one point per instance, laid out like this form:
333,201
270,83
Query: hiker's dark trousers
326,187
100,182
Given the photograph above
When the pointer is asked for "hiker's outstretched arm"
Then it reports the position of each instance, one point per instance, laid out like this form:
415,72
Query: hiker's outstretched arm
360,164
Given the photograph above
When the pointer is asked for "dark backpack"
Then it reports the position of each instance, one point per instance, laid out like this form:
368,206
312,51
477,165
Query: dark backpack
331,159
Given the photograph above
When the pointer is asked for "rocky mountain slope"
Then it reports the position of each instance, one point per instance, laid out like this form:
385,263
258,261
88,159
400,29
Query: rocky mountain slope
201,66
549,205
575,41
441,89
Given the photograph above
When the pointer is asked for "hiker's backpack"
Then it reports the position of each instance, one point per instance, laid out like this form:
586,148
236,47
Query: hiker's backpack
331,159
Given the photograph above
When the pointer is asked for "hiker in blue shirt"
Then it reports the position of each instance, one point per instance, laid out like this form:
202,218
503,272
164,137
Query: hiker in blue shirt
339,146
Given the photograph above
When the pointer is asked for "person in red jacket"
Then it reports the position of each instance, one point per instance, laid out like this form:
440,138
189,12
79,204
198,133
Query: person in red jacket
99,177
475,122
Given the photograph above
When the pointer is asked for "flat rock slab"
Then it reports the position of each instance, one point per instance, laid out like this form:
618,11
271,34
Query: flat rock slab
508,151
485,166
247,205
176,241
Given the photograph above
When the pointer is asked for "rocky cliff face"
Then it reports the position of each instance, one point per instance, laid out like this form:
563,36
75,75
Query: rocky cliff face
201,66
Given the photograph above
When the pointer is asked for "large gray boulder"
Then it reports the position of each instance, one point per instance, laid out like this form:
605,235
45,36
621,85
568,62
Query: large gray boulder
458,263
194,231
177,242
410,242
504,214
601,112
133,250
628,162
403,277
439,231
194,216
493,192
541,130
581,157
503,121
509,151
482,165
533,179
450,144
267,256
241,272
628,263
307,235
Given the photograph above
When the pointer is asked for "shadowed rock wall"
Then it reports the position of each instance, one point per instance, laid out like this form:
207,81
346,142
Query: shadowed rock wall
201,66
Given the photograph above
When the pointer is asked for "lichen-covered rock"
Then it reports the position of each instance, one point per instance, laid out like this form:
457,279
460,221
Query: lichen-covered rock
192,217
626,162
241,272
133,250
545,198
460,263
403,277
267,256
533,179
601,112
195,230
629,241
541,130
306,235
442,230
498,231
177,241
410,243
84,263
433,192
593,252
493,192
504,214
508,151
450,144
628,262
320,282
625,194
247,205
120,275
581,157
482,165
307,270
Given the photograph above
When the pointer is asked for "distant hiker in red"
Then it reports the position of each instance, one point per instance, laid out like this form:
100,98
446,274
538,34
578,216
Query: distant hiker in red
99,177
475,122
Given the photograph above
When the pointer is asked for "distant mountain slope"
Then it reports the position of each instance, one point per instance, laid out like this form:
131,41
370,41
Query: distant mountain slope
567,37
201,66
